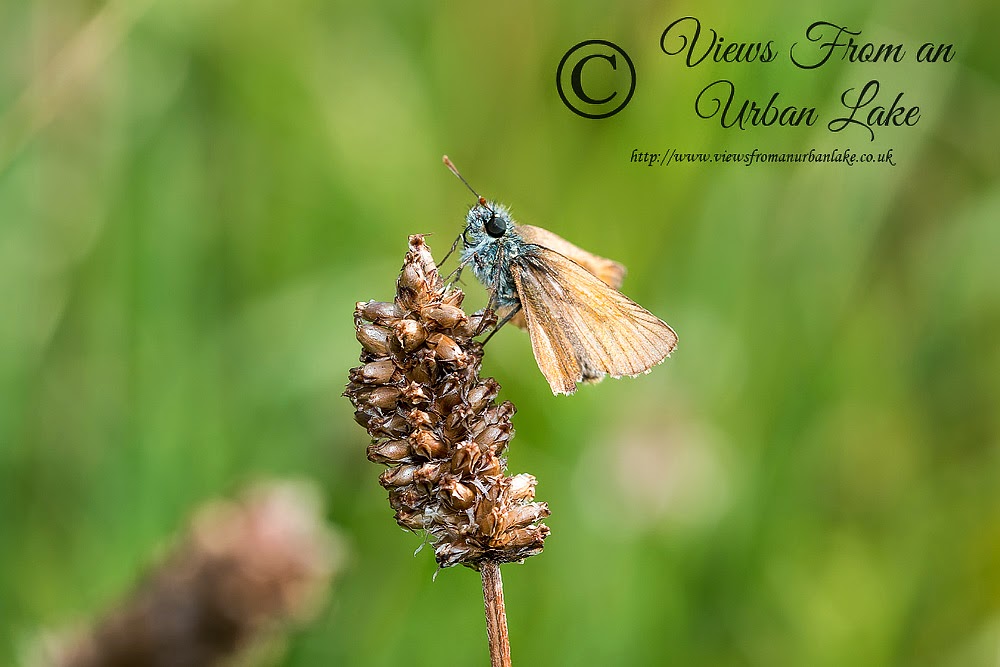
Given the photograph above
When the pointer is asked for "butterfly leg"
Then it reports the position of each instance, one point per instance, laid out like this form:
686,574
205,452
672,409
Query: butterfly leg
506,318
489,313
455,275
453,247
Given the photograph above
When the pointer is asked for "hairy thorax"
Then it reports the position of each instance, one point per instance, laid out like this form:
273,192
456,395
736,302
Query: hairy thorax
489,257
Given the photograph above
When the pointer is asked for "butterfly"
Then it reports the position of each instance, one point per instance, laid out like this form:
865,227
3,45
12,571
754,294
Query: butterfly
581,327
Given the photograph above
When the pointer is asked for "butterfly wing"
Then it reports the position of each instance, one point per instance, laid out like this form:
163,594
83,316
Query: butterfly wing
580,327
608,271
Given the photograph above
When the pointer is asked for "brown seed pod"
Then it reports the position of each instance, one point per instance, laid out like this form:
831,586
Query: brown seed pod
379,312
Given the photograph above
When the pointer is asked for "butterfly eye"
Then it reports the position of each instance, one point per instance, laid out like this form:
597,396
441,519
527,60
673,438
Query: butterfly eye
495,226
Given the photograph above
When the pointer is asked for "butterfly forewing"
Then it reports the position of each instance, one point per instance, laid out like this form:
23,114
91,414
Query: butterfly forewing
607,270
581,328
550,342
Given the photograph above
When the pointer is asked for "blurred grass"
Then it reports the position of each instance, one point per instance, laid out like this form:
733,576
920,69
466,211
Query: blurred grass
194,194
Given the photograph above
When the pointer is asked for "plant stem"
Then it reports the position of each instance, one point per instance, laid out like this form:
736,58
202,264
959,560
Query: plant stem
496,615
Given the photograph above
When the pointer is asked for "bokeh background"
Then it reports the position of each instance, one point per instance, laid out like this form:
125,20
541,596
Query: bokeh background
193,195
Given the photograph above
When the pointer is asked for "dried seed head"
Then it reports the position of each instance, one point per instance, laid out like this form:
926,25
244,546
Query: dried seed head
409,333
444,347
437,423
379,312
378,372
384,398
459,496
522,487
374,339
427,445
389,451
444,315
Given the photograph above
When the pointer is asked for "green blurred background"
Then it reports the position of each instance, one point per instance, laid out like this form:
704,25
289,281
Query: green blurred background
193,195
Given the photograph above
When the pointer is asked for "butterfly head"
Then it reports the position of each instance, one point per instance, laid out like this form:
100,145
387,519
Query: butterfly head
487,220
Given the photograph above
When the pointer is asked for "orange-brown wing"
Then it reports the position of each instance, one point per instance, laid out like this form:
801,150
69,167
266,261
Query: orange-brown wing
581,328
553,348
609,271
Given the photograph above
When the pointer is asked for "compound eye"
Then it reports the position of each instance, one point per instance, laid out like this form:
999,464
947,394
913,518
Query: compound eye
495,227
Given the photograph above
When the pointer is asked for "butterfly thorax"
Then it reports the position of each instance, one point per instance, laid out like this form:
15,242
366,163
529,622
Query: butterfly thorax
490,256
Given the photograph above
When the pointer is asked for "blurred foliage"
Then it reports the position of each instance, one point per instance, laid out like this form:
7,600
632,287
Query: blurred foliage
193,195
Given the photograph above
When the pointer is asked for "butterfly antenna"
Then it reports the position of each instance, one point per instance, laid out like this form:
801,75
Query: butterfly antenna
451,166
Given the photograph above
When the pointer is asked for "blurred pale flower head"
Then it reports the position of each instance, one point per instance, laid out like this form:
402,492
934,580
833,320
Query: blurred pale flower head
657,469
